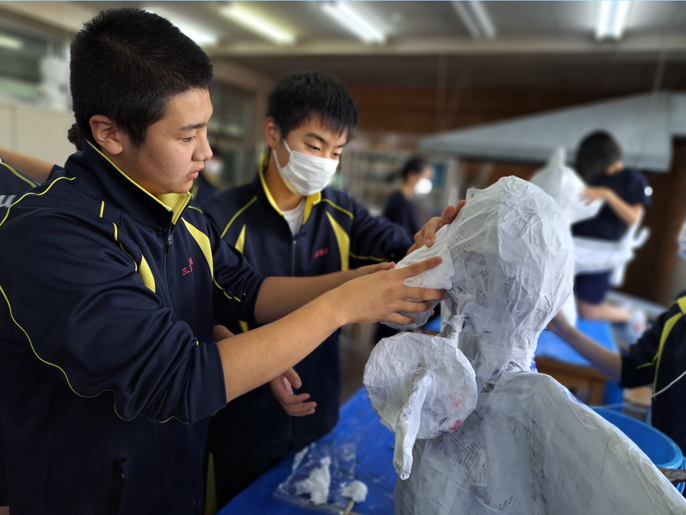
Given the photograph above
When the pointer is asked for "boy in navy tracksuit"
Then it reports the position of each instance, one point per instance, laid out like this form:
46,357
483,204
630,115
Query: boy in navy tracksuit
109,287
287,223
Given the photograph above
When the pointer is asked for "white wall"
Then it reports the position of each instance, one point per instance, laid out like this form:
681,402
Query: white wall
36,132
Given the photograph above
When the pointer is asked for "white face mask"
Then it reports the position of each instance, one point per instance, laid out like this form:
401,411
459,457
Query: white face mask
423,186
305,175
682,243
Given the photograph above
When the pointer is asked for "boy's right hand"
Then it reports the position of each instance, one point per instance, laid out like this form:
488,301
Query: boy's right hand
380,296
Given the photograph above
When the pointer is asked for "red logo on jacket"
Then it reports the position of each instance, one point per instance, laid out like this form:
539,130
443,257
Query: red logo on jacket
189,268
321,252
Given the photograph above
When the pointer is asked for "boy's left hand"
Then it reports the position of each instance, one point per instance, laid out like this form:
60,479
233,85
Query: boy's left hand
428,233
294,405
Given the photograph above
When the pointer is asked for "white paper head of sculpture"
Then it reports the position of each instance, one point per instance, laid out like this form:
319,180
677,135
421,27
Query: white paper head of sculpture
512,264
507,268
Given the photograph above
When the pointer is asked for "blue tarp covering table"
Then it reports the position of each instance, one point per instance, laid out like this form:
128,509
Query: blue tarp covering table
358,424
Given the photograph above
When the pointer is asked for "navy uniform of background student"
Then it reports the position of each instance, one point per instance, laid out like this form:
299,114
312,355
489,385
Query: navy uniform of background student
109,289
288,222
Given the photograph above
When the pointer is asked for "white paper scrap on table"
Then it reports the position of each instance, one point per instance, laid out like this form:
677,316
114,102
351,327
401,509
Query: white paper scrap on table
317,484
357,491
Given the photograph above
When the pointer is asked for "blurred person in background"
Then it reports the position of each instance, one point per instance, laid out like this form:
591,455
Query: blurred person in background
625,193
416,176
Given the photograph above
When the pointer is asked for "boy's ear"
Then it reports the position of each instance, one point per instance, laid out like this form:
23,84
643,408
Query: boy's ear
106,134
272,136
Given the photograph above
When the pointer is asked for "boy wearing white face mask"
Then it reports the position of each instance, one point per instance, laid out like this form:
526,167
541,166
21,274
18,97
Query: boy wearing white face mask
287,222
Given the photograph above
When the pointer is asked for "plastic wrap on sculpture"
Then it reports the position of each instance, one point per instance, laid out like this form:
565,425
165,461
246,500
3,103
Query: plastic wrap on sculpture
565,187
421,387
529,447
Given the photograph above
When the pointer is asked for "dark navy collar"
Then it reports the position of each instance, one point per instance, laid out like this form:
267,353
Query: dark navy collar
103,179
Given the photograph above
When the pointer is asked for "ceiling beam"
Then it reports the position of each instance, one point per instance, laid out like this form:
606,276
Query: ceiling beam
455,46
66,16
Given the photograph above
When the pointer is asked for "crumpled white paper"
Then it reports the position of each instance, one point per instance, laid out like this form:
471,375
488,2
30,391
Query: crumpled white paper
420,386
529,447
357,491
565,187
317,484
593,256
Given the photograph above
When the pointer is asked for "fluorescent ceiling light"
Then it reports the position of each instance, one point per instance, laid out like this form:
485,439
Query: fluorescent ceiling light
476,19
197,33
255,23
344,15
7,41
612,18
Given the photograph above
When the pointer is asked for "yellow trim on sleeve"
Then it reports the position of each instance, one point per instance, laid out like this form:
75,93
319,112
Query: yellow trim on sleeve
38,194
339,208
116,238
669,325
203,242
146,275
252,201
66,377
343,241
240,242
371,258
102,208
244,326
28,181
224,292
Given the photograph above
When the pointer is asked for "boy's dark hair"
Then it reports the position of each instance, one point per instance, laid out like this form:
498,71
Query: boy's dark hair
414,165
303,96
126,64
596,153
74,137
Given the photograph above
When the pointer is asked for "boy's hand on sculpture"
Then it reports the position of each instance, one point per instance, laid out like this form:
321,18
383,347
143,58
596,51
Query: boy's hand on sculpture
372,269
380,296
427,235
294,405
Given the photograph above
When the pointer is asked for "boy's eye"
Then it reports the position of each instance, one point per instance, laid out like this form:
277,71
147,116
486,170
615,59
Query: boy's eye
188,140
312,147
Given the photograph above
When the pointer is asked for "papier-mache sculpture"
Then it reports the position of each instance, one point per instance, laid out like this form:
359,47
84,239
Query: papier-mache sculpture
476,431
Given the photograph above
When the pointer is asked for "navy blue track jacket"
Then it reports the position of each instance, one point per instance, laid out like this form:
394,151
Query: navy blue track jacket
108,369
337,234
658,358
12,186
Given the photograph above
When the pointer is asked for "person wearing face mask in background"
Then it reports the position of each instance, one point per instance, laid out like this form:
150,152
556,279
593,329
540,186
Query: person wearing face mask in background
288,222
416,177
204,185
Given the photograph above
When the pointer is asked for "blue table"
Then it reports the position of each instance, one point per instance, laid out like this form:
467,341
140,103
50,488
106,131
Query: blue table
358,424
552,346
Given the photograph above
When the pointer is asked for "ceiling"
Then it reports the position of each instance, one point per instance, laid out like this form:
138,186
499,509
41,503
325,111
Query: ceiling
545,44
